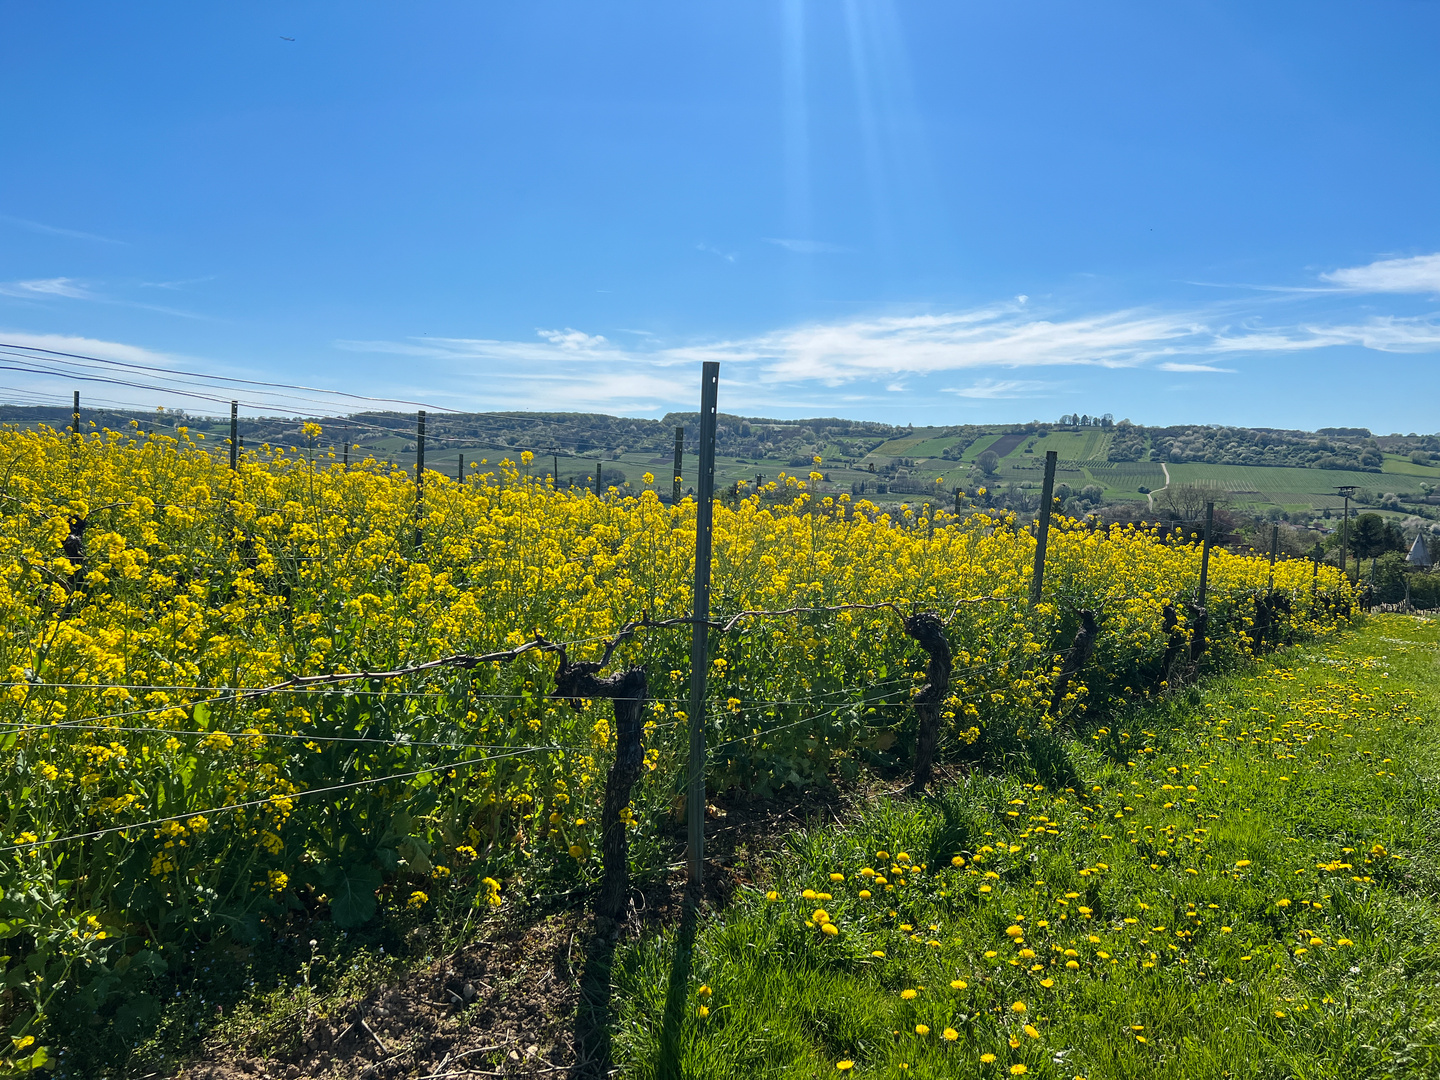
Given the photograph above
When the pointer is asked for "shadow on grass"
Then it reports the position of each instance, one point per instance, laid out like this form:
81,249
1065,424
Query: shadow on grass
595,1020
1050,758
593,1017
667,1065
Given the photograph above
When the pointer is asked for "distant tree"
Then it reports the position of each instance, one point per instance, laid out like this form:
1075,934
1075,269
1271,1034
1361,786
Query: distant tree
1093,494
1187,501
1372,536
989,462
1420,457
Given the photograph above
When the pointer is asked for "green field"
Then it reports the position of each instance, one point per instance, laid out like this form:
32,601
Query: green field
1081,455
1290,489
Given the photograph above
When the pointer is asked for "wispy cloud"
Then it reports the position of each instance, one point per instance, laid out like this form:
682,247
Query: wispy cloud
65,287
55,230
808,247
1001,335
885,355
176,284
1417,274
1173,365
728,256
996,389
84,346
561,370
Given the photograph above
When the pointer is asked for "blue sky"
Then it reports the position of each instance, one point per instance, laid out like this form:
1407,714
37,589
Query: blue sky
936,212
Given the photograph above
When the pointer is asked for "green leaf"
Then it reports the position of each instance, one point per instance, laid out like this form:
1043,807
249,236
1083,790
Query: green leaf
416,856
352,893
38,1060
202,716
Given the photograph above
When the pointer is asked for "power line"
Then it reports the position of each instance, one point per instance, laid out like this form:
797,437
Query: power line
228,379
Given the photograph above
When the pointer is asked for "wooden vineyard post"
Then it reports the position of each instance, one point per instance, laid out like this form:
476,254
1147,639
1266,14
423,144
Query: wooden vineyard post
419,474
599,468
1042,535
929,631
1205,553
700,626
234,435
75,417
1201,615
1274,549
679,459
555,469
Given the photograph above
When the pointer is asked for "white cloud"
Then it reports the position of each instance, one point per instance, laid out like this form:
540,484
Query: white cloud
1388,333
55,230
564,370
995,389
808,247
728,256
1418,274
997,336
47,287
571,368
573,340
84,346
65,288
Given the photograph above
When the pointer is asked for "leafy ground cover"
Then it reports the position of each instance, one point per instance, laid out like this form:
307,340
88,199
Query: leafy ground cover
1241,882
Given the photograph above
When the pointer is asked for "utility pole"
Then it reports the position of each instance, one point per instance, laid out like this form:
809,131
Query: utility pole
679,459
700,625
1042,535
234,435
1347,491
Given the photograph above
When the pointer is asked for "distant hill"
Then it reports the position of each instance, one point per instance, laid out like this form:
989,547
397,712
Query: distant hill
1102,463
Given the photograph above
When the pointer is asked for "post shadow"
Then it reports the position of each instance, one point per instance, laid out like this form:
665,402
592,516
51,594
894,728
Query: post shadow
593,1018
667,1065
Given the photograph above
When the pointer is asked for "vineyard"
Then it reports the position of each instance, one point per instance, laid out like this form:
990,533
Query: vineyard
232,698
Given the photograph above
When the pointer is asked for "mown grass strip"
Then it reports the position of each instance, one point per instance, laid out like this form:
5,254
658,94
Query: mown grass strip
1239,883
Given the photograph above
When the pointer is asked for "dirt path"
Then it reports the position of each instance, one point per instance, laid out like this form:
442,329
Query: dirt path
1150,497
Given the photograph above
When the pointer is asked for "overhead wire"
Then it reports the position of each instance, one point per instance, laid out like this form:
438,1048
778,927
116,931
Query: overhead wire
257,802
25,349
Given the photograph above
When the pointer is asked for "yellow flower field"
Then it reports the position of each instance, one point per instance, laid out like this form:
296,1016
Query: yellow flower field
143,583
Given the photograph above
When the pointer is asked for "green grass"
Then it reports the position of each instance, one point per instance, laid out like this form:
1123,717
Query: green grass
1310,780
